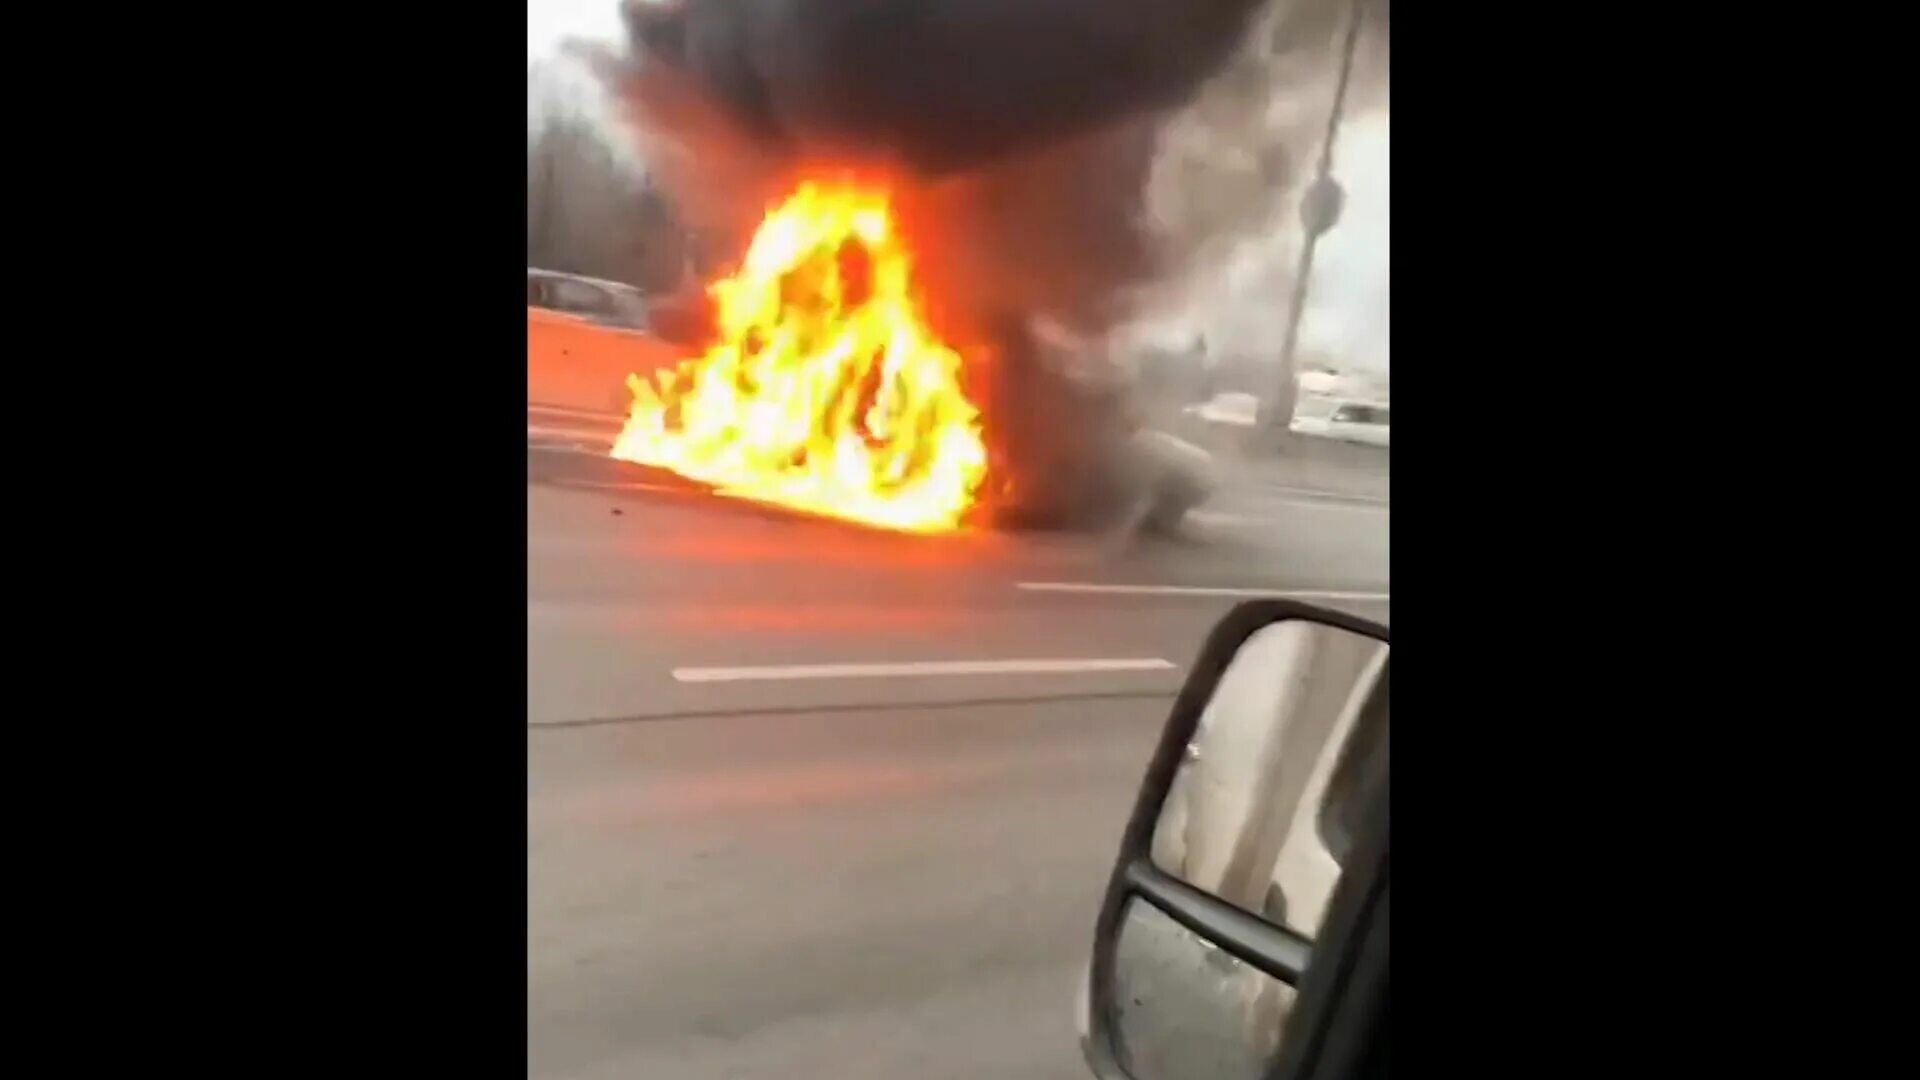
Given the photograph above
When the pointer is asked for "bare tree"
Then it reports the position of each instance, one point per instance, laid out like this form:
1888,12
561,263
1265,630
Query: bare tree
590,207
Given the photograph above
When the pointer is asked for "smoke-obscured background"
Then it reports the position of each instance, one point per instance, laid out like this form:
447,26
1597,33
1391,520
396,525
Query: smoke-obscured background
1176,233
1235,215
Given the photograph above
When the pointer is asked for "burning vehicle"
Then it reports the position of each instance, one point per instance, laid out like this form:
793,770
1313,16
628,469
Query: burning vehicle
826,391
883,350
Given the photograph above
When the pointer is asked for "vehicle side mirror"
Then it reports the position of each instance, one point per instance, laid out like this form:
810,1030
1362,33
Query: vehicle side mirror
1254,857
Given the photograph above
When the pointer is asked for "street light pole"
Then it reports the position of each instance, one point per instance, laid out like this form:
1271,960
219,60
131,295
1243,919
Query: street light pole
1319,210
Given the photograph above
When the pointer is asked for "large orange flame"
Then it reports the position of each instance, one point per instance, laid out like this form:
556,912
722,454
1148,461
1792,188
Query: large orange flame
825,391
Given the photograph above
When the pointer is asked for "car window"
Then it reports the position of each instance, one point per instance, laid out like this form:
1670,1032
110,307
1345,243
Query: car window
627,308
579,297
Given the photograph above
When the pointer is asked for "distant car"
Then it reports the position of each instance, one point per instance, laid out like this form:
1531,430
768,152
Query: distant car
608,303
684,316
586,335
1348,421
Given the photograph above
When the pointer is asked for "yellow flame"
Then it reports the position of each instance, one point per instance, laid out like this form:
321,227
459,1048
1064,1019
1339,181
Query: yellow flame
825,391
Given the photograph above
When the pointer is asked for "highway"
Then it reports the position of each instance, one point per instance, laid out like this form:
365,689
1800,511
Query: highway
810,800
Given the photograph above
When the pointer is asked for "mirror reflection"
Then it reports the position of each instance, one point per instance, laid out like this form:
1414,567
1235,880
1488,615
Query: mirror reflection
1261,811
1183,1007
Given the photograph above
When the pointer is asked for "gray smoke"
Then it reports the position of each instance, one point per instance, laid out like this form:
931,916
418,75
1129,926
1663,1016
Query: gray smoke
1224,201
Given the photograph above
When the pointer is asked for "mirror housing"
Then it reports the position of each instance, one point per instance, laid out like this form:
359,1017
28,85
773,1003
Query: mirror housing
1217,934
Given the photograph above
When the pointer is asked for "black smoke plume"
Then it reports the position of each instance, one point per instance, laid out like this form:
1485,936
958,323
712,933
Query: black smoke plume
938,86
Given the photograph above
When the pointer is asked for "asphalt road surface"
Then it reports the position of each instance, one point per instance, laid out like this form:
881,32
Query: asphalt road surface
806,800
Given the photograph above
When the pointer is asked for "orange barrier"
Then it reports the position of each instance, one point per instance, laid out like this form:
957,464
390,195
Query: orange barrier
576,364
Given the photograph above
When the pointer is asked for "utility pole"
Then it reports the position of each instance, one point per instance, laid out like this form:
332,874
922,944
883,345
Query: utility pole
1319,211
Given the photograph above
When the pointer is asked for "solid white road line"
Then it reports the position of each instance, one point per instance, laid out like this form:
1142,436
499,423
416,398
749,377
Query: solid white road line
1197,590
917,668
1289,493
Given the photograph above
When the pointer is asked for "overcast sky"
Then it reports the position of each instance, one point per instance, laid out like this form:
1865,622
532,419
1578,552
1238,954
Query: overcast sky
1347,298
549,22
